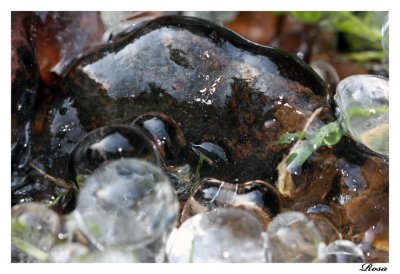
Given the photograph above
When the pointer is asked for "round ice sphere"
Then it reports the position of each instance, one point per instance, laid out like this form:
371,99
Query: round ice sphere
110,143
363,102
342,251
258,196
34,230
126,202
118,255
225,235
292,238
166,133
181,178
328,73
67,253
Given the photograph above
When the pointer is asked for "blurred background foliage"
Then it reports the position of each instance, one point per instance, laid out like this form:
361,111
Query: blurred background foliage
351,41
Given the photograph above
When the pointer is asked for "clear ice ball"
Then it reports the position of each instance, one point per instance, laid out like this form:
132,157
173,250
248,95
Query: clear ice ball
34,231
110,143
118,255
292,238
363,102
126,202
225,235
166,134
258,196
342,251
67,253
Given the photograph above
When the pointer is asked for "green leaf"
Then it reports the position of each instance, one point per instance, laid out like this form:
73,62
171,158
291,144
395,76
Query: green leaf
18,227
346,21
290,137
30,249
300,156
80,179
291,158
362,111
191,254
364,56
202,159
95,229
364,25
307,16
328,135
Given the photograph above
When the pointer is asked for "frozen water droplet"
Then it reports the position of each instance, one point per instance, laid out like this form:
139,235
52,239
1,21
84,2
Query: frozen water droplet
166,134
126,202
257,196
67,253
181,180
342,251
119,255
109,143
328,74
214,153
225,235
33,224
293,238
364,110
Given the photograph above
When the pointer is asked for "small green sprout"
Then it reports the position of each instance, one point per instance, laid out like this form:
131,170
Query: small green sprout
328,135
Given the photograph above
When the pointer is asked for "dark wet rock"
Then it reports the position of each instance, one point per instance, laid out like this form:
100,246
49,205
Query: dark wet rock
365,211
24,83
217,86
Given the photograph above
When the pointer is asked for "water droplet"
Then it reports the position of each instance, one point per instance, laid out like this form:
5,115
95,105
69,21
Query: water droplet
166,134
342,251
36,225
108,143
126,195
292,237
256,196
225,235
364,109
